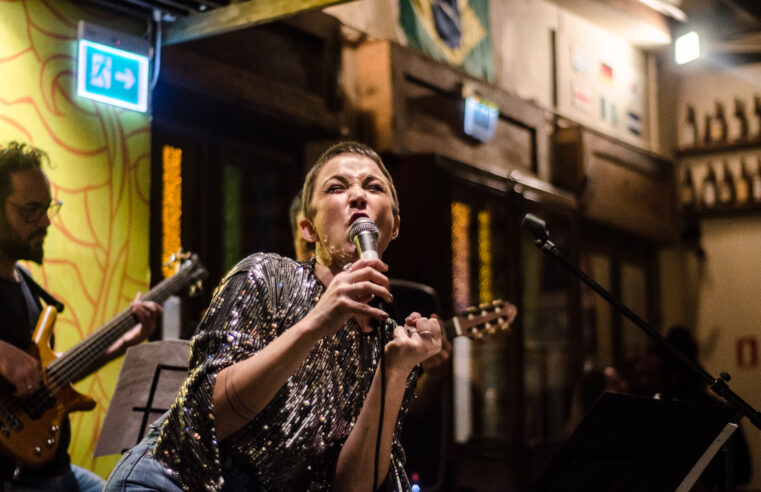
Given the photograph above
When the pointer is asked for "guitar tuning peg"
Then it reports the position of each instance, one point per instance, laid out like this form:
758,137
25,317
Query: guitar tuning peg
483,306
195,288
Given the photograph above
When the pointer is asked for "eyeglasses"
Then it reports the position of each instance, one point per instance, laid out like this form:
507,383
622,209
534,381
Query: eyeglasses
33,212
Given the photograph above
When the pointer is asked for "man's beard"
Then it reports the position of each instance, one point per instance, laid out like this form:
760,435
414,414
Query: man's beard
21,251
13,247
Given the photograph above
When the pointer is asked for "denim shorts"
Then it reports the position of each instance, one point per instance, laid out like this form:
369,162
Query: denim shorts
138,470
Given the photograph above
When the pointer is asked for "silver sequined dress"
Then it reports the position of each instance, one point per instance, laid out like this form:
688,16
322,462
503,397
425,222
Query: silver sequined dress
293,444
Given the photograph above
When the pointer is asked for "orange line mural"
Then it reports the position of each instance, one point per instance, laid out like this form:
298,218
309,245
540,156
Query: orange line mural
97,247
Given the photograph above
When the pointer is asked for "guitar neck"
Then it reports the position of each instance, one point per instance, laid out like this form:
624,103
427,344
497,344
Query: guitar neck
77,362
451,328
477,320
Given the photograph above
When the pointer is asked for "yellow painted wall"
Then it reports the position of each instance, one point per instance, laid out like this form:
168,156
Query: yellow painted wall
97,248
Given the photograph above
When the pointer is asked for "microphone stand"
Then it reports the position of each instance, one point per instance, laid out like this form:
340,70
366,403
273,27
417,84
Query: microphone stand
718,385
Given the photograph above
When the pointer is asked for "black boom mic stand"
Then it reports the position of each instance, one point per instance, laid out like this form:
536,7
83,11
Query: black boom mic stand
537,227
719,385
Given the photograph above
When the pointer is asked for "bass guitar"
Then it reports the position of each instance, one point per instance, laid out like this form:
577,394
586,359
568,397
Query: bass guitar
30,427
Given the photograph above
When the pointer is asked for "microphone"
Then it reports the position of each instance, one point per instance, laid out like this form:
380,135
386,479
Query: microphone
536,226
364,234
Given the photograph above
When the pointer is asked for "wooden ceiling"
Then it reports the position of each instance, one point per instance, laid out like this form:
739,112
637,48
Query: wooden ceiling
732,26
171,9
186,20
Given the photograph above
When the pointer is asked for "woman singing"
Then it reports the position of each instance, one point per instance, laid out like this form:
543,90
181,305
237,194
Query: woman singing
284,391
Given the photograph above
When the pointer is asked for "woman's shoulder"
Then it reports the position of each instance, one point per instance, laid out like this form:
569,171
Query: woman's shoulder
267,265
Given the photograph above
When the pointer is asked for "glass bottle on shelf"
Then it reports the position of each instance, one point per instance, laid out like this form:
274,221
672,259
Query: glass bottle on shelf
756,182
755,123
726,185
707,128
708,190
687,189
738,124
690,129
718,124
743,185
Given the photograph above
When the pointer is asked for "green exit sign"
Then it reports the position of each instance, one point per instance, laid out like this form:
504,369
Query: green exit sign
112,75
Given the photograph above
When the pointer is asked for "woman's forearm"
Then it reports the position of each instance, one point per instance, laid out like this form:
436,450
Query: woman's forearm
243,389
356,462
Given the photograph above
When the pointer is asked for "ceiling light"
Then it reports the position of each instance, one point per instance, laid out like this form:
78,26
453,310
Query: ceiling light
686,48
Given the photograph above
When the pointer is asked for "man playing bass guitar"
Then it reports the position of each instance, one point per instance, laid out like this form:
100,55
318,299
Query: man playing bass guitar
26,207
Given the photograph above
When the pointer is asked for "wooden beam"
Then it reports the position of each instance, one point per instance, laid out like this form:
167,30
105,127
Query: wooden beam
185,68
238,16
748,7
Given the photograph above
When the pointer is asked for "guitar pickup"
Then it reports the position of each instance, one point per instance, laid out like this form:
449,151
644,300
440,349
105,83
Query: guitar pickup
12,421
4,430
36,404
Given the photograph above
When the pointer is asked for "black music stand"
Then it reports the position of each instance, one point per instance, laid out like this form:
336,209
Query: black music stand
629,443
150,377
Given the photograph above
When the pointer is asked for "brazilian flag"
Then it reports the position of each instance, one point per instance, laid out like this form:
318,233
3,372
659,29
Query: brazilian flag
454,31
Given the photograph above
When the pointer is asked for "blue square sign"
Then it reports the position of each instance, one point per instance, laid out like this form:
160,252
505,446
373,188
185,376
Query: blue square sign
480,120
112,76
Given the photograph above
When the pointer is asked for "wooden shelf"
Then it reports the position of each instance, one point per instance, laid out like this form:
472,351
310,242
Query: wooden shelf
615,184
719,147
751,208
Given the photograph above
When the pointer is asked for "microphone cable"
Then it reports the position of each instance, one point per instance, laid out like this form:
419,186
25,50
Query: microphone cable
363,232
382,327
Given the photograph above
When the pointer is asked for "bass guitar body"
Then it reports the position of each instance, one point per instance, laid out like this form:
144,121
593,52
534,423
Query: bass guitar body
30,428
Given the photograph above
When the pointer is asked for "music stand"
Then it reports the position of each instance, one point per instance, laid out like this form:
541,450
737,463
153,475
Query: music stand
631,443
150,377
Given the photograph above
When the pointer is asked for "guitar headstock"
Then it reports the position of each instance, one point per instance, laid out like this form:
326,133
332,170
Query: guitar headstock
187,265
489,318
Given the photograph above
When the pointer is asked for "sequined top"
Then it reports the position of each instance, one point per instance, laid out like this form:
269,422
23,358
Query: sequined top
293,444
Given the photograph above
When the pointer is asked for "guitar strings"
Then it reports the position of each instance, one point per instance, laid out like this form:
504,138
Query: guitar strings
65,369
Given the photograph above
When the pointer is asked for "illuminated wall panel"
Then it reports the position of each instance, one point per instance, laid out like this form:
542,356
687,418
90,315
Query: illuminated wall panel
485,273
171,206
460,256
